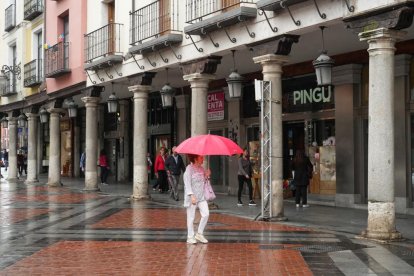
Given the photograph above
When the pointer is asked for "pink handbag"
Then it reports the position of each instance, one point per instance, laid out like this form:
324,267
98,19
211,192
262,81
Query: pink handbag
208,191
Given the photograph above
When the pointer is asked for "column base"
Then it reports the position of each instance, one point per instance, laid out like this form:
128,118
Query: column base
54,184
31,181
280,218
12,179
92,189
138,197
382,237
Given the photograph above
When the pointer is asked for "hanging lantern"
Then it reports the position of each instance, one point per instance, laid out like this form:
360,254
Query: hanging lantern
235,81
4,122
167,93
72,108
21,121
323,65
43,115
112,103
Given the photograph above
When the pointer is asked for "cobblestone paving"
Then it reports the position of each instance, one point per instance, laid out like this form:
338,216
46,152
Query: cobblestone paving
61,231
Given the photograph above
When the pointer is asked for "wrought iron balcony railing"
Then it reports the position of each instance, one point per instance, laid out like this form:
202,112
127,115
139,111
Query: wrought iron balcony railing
197,10
9,88
33,73
10,18
57,60
153,20
103,42
32,9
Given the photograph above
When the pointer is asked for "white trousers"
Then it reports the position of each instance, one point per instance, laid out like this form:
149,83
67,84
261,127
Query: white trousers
204,212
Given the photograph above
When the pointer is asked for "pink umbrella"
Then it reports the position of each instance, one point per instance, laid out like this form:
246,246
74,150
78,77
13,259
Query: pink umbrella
209,144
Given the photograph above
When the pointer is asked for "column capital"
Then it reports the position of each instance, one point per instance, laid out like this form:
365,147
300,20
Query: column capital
91,101
271,59
197,77
346,74
56,111
32,116
381,33
12,120
201,66
140,91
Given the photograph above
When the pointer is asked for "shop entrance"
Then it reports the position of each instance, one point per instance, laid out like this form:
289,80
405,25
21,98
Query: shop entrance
112,151
293,140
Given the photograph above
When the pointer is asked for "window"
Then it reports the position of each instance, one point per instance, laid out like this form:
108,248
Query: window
66,40
39,55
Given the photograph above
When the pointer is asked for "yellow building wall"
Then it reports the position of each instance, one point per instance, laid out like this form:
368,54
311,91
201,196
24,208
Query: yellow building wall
28,53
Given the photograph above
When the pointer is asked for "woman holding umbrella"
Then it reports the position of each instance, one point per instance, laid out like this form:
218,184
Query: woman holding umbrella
194,178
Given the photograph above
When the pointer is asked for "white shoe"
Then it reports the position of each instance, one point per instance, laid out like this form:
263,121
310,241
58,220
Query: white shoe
297,205
305,206
104,184
200,238
191,240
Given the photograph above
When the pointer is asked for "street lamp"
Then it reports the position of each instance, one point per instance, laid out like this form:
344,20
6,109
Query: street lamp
323,65
21,121
72,108
167,93
4,122
43,115
235,81
112,102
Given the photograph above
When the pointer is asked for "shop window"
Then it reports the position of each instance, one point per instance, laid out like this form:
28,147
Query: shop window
157,115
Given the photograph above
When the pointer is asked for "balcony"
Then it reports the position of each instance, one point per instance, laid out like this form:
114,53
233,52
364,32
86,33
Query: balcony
32,9
33,73
103,47
57,60
211,15
154,27
10,18
9,88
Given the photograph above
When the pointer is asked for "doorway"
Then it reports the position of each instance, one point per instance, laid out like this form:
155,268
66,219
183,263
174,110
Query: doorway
112,149
293,140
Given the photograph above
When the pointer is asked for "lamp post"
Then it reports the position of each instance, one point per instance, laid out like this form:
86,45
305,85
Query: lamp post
72,108
323,65
235,81
43,115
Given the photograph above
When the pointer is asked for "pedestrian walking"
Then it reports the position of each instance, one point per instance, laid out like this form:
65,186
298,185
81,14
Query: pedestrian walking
82,162
303,170
194,180
103,163
244,175
6,159
159,170
20,162
174,165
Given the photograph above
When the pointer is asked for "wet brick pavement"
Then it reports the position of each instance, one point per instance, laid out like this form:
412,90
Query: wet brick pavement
62,231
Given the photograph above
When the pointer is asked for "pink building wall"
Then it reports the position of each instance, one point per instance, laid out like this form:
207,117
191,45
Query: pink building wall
77,11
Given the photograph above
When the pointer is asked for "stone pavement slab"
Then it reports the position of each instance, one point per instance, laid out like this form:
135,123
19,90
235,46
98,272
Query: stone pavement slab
67,231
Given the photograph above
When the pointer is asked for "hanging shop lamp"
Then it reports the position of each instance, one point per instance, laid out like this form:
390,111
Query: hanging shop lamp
167,93
235,81
112,101
323,65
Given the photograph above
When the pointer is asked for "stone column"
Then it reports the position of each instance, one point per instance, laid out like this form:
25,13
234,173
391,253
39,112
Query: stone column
54,147
381,204
199,88
272,71
32,175
12,169
140,184
91,150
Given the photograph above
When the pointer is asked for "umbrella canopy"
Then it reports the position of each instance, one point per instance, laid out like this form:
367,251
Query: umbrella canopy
209,144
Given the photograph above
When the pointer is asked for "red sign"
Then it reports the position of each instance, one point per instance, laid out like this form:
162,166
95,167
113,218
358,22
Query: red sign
215,106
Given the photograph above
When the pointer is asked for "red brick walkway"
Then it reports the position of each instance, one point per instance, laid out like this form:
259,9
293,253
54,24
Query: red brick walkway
159,258
176,219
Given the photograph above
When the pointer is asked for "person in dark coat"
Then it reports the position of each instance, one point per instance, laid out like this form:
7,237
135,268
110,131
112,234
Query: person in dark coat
244,174
174,165
302,173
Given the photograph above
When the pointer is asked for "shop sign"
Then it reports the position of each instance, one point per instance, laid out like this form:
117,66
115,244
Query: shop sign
308,98
215,106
